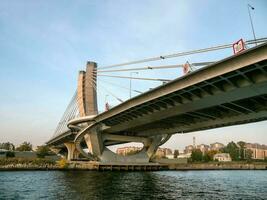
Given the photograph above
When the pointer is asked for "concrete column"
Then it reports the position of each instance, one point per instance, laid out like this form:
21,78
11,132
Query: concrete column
86,90
76,154
96,142
88,143
72,151
154,145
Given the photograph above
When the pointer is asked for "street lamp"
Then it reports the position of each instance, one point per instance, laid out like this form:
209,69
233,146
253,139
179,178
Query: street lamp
131,73
252,8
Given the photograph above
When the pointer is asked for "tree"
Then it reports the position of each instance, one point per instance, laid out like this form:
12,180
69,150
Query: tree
241,145
233,150
248,154
212,153
176,153
209,155
206,158
7,146
196,155
43,151
25,146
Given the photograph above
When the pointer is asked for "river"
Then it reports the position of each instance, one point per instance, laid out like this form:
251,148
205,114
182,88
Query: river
134,185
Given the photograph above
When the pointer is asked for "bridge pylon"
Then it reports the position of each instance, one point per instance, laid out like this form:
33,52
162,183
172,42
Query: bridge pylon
87,90
91,134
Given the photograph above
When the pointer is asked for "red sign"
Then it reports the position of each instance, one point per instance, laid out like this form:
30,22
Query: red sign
186,68
107,106
239,46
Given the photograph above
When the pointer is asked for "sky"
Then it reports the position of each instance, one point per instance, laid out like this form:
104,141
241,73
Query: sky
44,44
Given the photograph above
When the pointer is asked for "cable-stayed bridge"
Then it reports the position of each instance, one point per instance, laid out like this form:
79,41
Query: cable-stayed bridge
228,92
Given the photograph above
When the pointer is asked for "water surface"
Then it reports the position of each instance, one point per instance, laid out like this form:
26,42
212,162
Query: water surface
133,185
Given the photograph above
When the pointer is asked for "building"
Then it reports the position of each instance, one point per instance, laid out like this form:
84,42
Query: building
3,153
203,148
222,157
184,155
171,156
18,154
188,149
216,146
127,150
258,151
164,152
25,154
161,152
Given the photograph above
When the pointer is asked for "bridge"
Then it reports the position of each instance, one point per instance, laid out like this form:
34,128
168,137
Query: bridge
229,92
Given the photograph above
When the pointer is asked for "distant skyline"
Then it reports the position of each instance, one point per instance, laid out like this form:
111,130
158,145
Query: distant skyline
44,44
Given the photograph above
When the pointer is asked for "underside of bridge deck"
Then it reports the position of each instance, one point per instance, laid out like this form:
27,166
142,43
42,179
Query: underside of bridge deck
229,99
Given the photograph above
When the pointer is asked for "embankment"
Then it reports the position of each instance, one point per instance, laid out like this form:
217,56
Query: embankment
220,166
44,164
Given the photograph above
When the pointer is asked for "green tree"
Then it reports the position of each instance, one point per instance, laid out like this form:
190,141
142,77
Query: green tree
176,153
7,146
248,154
233,150
209,155
25,146
196,155
241,146
43,151
206,158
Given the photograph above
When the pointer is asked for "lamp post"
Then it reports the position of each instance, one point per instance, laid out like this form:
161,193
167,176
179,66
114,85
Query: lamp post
131,73
252,8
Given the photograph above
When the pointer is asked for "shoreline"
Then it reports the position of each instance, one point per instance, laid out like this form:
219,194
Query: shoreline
81,166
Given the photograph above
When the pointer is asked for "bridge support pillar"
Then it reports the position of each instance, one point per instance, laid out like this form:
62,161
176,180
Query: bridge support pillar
96,142
73,153
152,148
87,140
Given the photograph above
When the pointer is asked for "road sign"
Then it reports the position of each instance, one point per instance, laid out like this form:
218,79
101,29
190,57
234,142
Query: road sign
239,46
107,107
186,68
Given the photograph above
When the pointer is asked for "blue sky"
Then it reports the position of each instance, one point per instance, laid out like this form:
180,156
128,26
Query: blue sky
44,44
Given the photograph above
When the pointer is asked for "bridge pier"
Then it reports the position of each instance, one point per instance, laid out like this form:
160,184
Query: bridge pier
96,140
153,146
72,153
87,140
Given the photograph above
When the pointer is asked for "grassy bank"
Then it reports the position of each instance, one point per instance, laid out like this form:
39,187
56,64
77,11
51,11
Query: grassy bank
9,164
26,163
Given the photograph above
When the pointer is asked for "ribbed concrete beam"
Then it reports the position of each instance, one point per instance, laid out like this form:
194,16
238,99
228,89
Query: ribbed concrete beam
224,97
